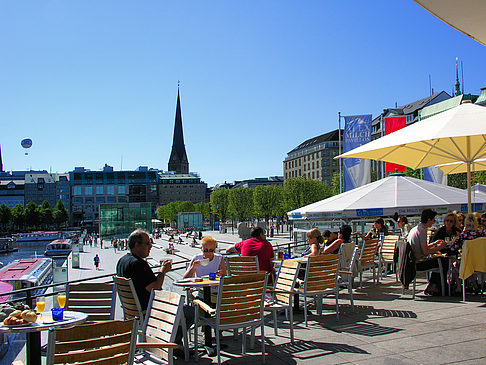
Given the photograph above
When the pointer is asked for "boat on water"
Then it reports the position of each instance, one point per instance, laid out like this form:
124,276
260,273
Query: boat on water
60,247
27,273
8,244
38,236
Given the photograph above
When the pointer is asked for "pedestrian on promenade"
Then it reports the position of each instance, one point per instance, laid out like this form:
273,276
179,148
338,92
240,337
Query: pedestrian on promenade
96,261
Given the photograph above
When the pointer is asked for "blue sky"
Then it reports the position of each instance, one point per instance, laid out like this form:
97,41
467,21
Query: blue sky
95,82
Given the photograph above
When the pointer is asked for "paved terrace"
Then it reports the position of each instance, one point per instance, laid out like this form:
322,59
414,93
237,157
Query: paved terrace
384,328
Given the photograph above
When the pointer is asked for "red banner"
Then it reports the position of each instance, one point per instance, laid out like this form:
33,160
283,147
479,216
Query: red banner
393,124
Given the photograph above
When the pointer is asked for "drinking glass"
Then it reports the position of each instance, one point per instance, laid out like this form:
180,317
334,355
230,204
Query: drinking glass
40,304
61,299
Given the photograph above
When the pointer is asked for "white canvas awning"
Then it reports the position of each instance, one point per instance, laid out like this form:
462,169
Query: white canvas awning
394,194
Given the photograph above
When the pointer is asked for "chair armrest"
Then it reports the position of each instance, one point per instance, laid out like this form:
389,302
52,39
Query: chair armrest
152,345
271,291
204,306
345,272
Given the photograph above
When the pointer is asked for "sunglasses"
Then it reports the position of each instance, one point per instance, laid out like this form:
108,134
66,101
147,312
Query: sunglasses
208,250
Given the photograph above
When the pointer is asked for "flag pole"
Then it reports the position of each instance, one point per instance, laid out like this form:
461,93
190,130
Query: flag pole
340,160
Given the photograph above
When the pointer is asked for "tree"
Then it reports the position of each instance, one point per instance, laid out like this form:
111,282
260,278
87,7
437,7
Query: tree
301,191
412,173
241,203
5,216
265,200
32,215
60,214
335,184
185,206
281,206
220,203
204,208
18,216
46,214
169,212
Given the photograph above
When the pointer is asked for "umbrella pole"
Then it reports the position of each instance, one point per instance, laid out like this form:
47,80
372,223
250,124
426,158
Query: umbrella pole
469,210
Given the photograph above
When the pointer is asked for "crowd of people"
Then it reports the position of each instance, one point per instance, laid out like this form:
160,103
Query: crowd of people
447,239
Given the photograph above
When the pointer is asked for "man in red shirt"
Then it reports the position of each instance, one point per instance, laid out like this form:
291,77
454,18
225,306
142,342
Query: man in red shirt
257,245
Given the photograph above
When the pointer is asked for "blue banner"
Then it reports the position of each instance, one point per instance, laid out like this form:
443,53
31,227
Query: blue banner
357,131
434,174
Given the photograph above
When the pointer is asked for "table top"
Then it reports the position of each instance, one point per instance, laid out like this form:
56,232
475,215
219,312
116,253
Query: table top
190,282
45,321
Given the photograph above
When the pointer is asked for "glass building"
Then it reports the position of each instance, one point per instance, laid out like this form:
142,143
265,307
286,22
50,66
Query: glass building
122,219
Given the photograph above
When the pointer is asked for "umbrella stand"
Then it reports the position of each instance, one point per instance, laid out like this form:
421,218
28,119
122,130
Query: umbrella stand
469,210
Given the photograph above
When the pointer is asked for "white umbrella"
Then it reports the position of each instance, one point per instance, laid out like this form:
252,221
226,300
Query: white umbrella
456,135
467,16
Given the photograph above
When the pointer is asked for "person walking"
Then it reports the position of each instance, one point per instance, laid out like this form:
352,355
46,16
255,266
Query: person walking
96,261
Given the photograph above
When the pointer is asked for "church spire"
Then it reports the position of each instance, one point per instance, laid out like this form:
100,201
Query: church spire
178,161
458,84
1,162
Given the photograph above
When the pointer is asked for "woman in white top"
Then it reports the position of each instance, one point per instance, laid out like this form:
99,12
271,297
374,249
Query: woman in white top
207,262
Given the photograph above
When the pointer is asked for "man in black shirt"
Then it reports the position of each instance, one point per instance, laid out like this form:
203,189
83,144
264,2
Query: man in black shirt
134,266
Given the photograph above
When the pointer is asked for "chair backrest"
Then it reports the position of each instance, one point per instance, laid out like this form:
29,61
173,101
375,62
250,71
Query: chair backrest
388,247
241,299
348,253
287,275
164,315
242,265
110,342
368,252
128,298
95,299
321,273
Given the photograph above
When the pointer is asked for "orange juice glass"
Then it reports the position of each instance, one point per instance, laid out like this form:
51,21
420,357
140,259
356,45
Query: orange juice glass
61,299
40,304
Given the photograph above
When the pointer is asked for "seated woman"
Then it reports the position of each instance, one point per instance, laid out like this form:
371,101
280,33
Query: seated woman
207,262
344,235
378,229
448,230
314,239
470,232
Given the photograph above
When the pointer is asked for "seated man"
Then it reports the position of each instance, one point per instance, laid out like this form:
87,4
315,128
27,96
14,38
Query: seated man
257,245
208,262
134,266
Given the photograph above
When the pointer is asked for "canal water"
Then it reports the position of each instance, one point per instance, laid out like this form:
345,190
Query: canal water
28,250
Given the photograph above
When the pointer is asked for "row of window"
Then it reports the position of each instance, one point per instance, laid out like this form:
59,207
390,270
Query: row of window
100,200
99,190
313,156
311,175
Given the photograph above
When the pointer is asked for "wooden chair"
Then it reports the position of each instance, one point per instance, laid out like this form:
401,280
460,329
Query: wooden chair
110,342
164,316
320,280
128,298
367,259
282,294
387,253
241,265
240,304
348,254
95,299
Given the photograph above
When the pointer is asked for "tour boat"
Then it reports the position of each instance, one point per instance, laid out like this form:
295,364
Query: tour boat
27,273
7,245
59,248
38,236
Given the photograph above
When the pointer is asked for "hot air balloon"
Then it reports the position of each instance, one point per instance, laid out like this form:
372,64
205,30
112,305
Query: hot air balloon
26,143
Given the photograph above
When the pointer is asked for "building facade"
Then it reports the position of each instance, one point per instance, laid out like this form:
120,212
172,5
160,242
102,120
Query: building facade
181,187
314,158
89,189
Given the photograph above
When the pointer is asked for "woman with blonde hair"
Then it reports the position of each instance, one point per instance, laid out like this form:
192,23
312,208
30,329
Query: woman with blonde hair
314,239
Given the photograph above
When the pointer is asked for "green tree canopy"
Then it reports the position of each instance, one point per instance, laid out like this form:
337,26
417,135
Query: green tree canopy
204,208
32,215
184,206
220,203
60,214
241,203
46,214
18,216
5,216
301,191
265,201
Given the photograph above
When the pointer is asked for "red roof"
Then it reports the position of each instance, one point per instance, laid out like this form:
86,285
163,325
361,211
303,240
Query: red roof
18,269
